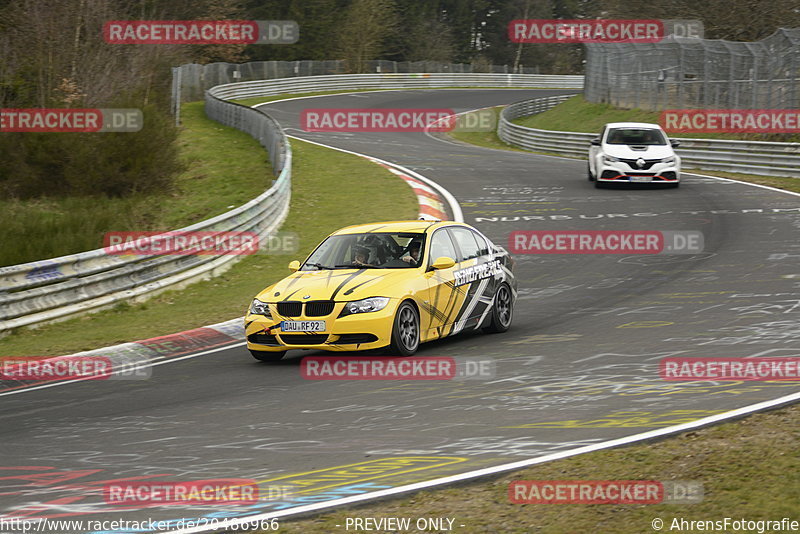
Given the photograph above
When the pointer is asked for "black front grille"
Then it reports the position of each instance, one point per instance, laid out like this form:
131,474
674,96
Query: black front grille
356,339
609,174
290,309
319,308
647,163
263,339
670,175
304,339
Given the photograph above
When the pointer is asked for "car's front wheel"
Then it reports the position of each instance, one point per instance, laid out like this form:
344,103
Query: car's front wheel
266,356
502,310
405,331
589,172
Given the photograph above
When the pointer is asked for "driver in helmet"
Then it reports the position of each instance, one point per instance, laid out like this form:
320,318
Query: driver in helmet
413,253
362,257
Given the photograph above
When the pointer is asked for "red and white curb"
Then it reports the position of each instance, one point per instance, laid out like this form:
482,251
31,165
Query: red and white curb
134,360
431,205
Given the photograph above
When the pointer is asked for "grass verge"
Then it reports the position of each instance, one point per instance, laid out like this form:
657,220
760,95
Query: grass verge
330,189
578,115
224,168
749,469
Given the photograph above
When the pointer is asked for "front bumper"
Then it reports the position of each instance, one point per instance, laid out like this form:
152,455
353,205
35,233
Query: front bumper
361,331
621,172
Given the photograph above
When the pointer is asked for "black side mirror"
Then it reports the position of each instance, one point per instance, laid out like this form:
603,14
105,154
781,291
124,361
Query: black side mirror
675,143
595,141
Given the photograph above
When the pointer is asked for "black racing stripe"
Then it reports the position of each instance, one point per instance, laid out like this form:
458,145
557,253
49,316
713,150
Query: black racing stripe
451,300
362,283
286,297
460,314
435,312
293,281
345,281
330,275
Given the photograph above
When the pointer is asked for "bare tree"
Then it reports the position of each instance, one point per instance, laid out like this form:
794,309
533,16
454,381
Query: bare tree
430,40
366,26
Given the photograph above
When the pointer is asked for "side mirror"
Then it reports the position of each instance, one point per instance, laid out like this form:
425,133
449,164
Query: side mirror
675,143
443,262
595,141
294,265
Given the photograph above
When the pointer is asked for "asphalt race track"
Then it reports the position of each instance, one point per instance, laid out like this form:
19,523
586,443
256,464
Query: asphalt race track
579,365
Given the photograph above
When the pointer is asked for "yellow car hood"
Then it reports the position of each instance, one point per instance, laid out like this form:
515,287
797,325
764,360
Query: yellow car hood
341,285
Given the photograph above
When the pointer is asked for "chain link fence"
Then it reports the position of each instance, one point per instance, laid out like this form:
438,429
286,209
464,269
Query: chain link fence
189,82
681,73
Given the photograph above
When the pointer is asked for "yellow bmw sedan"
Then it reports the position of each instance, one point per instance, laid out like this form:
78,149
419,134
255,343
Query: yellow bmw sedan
392,284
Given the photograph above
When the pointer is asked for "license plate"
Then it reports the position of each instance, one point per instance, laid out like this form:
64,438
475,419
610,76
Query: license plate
303,326
641,178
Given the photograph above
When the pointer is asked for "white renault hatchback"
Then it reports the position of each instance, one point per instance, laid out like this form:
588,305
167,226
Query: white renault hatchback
634,152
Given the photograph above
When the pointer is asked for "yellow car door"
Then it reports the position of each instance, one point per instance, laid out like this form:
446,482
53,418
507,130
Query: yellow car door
443,299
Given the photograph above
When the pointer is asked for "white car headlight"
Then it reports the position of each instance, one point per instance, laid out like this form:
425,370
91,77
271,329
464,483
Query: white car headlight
670,159
371,304
610,159
260,308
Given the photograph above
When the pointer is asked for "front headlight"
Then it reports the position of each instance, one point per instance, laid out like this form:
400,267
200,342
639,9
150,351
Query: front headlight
670,159
260,308
610,159
371,304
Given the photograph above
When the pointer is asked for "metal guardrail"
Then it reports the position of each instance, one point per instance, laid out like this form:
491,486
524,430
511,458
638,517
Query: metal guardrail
748,157
190,81
344,82
53,289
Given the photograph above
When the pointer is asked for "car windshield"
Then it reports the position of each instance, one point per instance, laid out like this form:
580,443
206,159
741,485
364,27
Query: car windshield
635,136
368,251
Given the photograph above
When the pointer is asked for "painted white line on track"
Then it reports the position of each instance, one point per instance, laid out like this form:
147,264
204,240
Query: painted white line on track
304,509
158,360
741,182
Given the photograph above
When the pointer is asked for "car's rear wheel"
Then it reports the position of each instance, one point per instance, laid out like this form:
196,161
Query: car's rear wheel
266,356
405,331
502,310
